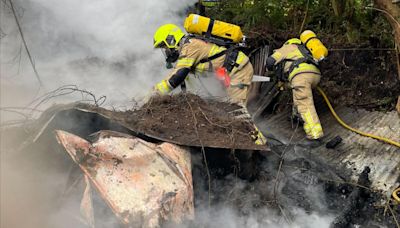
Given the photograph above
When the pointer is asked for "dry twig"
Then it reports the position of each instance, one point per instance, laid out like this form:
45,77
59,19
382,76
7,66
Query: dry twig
305,17
394,217
202,150
25,45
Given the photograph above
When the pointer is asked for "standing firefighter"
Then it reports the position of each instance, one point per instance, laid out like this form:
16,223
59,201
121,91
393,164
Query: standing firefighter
296,62
195,55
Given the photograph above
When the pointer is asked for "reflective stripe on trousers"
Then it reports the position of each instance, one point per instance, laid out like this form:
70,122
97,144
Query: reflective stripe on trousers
312,128
303,100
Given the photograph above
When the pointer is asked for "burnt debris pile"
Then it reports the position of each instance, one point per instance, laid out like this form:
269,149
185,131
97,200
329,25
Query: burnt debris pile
187,119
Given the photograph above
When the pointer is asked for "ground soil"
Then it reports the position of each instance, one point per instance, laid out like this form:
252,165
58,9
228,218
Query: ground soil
362,79
351,204
186,119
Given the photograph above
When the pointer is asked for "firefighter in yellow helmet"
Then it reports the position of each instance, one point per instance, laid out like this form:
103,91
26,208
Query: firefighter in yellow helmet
197,56
296,65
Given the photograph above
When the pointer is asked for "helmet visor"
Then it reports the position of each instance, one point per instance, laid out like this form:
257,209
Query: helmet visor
170,41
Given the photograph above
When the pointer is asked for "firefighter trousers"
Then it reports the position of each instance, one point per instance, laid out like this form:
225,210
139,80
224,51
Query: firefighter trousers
239,89
303,101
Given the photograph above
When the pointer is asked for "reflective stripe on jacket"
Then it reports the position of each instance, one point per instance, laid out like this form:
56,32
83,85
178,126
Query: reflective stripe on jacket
289,53
193,51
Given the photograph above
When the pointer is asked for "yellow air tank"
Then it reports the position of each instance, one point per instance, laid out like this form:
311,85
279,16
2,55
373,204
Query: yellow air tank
205,26
316,47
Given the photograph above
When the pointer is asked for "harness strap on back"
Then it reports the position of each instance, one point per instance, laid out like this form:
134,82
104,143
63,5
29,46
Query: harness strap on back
296,64
231,53
209,29
210,58
230,59
307,58
306,54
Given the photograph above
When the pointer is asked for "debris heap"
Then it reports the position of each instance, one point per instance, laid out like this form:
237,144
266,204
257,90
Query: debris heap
187,119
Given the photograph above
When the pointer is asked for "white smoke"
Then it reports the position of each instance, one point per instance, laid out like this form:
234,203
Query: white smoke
104,47
244,205
227,217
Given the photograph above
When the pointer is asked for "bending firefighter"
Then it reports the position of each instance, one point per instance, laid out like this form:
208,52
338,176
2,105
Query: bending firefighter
296,62
196,55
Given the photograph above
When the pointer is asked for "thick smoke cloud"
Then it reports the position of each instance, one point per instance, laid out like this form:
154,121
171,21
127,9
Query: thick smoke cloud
104,47
227,217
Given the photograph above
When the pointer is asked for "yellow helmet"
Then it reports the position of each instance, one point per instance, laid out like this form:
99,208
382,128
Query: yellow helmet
168,35
293,41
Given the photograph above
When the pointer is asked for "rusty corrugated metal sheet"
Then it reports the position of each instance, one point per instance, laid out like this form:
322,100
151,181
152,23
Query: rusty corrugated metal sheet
355,152
141,182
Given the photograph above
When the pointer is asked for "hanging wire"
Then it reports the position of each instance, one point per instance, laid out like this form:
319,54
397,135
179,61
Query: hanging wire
28,111
25,45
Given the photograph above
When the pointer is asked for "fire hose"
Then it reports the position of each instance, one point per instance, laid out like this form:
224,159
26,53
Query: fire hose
396,192
396,195
386,140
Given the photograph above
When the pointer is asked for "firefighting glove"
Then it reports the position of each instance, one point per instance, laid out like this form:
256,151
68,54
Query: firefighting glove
258,137
261,140
163,87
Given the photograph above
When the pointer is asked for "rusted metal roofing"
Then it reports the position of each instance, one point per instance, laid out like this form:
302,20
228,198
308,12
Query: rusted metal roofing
137,179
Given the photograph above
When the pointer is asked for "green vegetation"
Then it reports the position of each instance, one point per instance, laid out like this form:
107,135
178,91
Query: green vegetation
349,21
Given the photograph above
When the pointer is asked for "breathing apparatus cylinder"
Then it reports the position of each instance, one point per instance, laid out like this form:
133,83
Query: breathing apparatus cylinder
200,25
316,47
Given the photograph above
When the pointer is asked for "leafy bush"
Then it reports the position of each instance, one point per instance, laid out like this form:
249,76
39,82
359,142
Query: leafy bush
349,20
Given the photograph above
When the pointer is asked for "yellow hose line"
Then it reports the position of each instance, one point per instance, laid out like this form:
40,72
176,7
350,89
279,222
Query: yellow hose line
395,195
353,129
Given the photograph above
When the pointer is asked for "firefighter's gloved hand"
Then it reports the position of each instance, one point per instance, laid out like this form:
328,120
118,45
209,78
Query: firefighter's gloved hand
258,137
160,88
163,87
